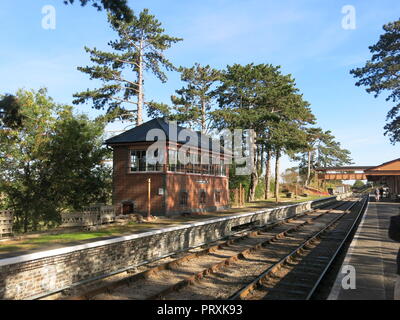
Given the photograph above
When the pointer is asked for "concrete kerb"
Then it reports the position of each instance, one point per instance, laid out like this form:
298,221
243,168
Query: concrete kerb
337,285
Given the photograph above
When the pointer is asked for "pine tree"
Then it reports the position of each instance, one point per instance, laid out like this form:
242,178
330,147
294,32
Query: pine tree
119,8
194,101
322,150
286,137
140,48
382,73
314,137
257,97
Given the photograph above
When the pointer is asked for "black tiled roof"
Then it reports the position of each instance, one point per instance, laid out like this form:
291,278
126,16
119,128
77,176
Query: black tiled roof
138,134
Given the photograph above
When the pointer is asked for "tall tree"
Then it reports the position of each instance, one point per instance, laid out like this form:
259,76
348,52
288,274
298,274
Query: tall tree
382,74
322,150
194,101
314,138
50,160
119,8
330,153
240,100
286,137
286,133
140,48
255,97
75,162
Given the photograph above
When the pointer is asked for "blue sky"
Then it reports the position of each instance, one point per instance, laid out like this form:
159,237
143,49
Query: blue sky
305,37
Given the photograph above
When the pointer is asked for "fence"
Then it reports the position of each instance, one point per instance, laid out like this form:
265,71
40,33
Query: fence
237,196
6,222
91,216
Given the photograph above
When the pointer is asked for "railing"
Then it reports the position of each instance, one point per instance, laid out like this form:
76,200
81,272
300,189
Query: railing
91,216
6,222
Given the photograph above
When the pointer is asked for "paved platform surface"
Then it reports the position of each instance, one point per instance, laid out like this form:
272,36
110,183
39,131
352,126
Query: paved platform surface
373,255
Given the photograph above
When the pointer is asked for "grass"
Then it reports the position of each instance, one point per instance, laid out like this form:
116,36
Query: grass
38,242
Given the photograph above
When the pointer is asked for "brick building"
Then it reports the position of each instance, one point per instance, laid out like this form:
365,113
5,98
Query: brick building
386,174
176,186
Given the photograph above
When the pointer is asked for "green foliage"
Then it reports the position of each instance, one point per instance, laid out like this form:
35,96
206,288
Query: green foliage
118,7
291,175
321,150
261,98
260,189
235,180
157,109
193,102
382,74
330,153
51,161
75,155
10,113
358,184
246,96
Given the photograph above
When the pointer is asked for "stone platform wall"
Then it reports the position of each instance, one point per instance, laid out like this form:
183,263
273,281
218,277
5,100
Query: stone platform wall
32,275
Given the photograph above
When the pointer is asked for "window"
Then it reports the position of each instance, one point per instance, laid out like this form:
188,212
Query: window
203,197
172,160
217,196
183,201
127,207
196,160
221,169
215,166
138,162
154,167
212,165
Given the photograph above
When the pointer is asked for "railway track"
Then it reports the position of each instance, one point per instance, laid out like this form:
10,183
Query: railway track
246,266
298,274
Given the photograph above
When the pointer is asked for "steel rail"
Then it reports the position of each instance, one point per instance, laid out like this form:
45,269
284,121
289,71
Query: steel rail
227,261
197,276
339,249
244,291
131,268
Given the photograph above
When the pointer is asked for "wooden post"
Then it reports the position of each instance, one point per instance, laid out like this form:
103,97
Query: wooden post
237,197
148,199
240,195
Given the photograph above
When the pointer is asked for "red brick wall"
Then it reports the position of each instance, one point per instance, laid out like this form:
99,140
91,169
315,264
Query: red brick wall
193,184
133,186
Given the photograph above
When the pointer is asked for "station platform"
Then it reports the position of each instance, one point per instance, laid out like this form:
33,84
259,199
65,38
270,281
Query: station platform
373,255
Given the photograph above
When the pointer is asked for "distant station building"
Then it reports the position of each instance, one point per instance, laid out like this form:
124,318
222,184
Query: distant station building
175,187
386,174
